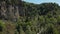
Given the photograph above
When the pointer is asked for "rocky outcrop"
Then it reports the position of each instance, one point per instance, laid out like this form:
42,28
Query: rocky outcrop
9,9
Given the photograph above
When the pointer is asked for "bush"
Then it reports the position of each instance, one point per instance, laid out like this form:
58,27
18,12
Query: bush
2,25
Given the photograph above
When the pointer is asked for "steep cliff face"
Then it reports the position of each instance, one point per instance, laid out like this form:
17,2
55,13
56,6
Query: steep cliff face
9,9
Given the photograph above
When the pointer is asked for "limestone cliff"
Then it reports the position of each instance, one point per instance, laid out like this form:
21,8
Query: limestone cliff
9,9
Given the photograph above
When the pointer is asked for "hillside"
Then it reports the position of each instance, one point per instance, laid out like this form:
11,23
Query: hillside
19,17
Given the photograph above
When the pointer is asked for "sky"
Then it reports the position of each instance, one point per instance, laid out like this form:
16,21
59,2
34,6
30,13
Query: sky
43,1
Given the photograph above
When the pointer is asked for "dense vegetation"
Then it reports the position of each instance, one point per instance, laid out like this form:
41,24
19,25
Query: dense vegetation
30,18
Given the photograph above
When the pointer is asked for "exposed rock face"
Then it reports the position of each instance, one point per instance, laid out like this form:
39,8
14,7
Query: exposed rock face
9,10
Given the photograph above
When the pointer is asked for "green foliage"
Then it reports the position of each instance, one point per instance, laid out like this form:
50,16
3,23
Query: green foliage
28,31
2,25
55,31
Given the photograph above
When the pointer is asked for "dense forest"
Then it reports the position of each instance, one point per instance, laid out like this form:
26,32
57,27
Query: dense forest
20,17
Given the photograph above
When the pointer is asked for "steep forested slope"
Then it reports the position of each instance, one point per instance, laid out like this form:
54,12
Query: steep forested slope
19,17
